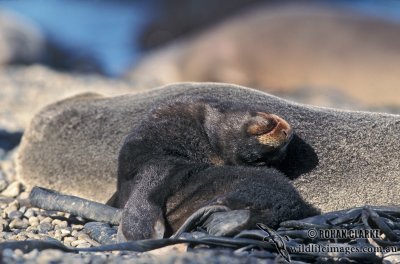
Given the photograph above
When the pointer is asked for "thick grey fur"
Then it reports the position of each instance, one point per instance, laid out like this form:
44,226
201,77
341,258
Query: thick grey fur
338,159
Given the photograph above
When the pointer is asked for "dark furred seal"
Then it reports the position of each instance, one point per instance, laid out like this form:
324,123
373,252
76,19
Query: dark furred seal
206,152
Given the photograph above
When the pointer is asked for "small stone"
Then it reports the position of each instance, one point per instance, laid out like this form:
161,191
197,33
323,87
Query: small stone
29,213
7,235
21,237
33,221
24,196
46,220
60,214
44,227
77,242
48,238
12,190
4,201
69,239
13,206
18,252
12,237
31,235
77,227
32,229
22,209
59,235
83,245
50,213
15,214
18,223
55,221
65,232
89,240
83,236
59,223
31,255
80,219
49,256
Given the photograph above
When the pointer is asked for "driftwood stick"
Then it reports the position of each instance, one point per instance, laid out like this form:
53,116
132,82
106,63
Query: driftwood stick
52,200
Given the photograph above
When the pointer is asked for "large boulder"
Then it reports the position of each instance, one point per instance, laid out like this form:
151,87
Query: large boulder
286,47
338,159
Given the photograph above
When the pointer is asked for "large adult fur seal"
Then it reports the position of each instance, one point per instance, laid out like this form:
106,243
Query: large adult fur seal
338,159
282,47
211,145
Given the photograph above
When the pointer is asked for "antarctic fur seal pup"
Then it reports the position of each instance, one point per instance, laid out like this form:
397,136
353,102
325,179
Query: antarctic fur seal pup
222,148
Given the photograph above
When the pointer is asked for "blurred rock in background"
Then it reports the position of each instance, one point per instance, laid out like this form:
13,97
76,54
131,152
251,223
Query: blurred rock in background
21,41
282,48
24,42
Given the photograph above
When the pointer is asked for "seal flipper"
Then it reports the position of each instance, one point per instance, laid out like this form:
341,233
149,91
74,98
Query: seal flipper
134,226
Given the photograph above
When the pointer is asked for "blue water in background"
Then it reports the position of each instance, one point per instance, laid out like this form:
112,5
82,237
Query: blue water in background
104,29
109,30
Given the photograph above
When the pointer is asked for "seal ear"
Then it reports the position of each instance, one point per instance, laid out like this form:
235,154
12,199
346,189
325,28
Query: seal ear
263,123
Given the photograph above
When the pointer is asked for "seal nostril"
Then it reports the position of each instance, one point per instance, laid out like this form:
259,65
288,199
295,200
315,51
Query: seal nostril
284,132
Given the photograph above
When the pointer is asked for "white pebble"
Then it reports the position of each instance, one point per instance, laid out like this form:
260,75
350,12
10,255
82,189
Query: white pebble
12,190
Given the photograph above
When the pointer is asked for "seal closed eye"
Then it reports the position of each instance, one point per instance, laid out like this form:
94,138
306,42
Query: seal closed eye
177,143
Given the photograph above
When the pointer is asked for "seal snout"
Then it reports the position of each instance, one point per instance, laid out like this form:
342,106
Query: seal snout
283,127
273,131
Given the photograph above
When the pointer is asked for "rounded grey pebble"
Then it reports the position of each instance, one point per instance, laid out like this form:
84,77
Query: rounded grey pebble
29,213
15,214
7,235
18,223
44,227
13,206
